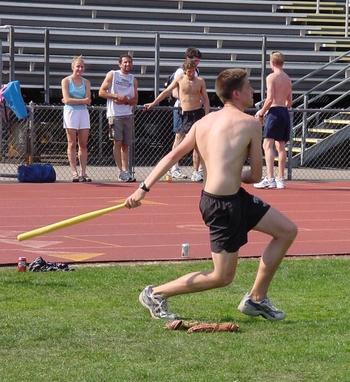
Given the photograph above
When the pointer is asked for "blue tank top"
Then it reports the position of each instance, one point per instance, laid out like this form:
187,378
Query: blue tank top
78,92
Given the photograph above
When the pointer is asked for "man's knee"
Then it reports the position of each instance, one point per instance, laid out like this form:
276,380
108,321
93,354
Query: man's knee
268,144
289,231
125,147
222,279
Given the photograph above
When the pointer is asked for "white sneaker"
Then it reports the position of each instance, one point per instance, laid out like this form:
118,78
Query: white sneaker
266,183
280,183
196,177
262,308
177,174
125,177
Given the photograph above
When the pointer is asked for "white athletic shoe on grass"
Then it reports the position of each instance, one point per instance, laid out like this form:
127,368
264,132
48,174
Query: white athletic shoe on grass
262,308
266,183
156,304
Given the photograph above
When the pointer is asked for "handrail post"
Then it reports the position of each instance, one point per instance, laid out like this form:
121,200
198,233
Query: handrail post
47,65
100,131
263,67
290,146
347,18
1,66
156,64
318,6
30,134
11,37
304,131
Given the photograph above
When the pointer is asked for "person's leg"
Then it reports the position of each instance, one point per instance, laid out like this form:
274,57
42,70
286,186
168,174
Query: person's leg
283,232
117,153
282,158
71,150
196,160
175,170
177,126
268,146
155,298
221,275
124,157
179,137
83,135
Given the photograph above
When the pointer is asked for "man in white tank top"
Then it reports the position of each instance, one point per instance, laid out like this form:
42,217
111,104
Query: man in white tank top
120,89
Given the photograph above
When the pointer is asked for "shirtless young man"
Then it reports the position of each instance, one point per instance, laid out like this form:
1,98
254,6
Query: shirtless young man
193,97
277,121
175,172
225,139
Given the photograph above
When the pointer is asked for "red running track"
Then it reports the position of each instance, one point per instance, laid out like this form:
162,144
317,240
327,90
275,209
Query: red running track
156,230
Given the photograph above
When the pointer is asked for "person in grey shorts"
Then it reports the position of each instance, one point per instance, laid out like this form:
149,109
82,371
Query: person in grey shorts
120,88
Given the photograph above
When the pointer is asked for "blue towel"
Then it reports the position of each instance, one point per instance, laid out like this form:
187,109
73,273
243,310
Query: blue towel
14,100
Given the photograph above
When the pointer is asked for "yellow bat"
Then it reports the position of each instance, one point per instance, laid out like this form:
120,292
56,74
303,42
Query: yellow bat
67,222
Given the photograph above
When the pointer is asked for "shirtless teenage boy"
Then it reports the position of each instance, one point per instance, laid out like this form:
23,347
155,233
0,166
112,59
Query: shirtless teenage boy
225,139
193,97
277,121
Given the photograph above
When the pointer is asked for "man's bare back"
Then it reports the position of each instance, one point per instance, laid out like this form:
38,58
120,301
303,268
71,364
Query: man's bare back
281,88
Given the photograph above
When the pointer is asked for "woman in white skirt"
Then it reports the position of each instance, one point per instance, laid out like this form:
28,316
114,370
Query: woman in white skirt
76,120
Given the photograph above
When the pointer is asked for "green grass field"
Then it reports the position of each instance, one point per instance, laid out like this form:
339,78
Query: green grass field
87,325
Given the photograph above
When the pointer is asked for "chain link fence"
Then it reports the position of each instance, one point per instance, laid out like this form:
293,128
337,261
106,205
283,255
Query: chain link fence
319,147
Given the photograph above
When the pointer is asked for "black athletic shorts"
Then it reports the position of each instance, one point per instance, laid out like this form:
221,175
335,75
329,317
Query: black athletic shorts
190,117
230,218
277,124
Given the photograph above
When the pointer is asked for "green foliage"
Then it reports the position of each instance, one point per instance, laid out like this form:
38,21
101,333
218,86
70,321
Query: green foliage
87,325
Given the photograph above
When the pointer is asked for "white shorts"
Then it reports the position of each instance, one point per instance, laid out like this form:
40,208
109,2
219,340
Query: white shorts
76,119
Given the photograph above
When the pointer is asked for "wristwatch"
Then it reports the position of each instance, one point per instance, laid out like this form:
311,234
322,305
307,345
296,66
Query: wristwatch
144,187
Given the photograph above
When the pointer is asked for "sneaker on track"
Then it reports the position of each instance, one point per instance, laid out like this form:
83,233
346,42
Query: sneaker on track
280,183
177,174
196,177
262,308
125,177
156,304
266,183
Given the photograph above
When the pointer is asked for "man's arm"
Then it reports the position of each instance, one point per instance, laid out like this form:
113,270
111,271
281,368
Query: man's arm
269,97
164,94
179,72
204,97
133,101
254,173
186,146
289,101
106,94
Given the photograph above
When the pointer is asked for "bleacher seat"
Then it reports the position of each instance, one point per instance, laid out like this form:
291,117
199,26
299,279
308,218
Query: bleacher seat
228,32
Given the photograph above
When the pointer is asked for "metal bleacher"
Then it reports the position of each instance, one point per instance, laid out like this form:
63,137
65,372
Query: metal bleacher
228,32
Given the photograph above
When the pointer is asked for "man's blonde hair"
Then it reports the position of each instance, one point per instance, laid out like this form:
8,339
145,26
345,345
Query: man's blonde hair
277,58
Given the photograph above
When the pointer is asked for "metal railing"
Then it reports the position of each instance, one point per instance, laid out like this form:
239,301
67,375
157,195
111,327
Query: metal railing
42,139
